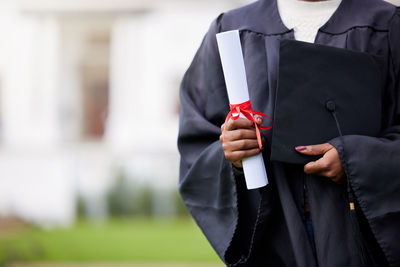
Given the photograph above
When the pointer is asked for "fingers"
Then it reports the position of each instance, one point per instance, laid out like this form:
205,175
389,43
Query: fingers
239,124
328,166
259,119
314,150
240,140
319,167
244,144
325,169
242,123
239,135
234,156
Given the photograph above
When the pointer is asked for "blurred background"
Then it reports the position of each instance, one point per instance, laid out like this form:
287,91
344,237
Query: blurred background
88,125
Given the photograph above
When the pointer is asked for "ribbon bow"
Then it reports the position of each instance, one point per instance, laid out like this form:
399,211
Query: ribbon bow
245,109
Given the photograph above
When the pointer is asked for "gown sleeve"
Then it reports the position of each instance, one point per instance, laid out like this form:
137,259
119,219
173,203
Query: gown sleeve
372,164
212,190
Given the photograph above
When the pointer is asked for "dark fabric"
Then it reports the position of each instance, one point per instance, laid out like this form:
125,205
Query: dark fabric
310,232
266,227
323,91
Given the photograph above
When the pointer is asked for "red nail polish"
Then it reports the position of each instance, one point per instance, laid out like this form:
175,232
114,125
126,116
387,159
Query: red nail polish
301,148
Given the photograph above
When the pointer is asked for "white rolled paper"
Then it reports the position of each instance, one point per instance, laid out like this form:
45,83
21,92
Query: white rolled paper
231,54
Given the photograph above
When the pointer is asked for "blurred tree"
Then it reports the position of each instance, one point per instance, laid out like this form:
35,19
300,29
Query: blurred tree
180,208
121,197
145,201
126,199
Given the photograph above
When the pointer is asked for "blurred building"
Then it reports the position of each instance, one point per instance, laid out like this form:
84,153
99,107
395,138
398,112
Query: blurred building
89,89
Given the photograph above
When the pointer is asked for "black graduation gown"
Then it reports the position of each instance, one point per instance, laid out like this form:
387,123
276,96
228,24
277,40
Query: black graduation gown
265,227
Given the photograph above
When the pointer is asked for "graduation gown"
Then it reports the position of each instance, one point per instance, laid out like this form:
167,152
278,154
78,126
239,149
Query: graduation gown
265,227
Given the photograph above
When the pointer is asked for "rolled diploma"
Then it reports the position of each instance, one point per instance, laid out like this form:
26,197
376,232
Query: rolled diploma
231,54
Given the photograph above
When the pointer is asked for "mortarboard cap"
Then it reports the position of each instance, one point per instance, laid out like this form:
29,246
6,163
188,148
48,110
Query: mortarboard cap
323,92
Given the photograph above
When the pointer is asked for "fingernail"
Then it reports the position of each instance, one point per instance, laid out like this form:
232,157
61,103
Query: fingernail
300,148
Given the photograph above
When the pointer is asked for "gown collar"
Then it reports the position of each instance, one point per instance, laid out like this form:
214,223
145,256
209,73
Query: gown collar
264,17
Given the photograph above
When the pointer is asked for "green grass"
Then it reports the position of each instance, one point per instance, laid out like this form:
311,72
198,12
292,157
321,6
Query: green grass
118,240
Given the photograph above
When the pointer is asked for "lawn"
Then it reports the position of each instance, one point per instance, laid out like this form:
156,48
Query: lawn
114,264
117,240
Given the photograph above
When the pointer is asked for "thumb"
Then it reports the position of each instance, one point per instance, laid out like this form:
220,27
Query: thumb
314,150
258,119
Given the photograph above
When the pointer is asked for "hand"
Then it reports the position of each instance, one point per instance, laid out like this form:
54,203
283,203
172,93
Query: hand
328,166
240,140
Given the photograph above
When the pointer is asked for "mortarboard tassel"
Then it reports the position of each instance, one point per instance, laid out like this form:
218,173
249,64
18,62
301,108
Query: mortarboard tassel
357,234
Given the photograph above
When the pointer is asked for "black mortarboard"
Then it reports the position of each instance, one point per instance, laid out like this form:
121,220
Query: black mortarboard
316,84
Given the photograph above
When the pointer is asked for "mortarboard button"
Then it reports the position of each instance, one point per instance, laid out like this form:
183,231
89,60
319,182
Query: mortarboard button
330,106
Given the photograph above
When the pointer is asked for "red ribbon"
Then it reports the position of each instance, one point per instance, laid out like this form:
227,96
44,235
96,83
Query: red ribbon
245,109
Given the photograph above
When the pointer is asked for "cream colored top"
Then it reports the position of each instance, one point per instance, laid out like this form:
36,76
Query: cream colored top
305,18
